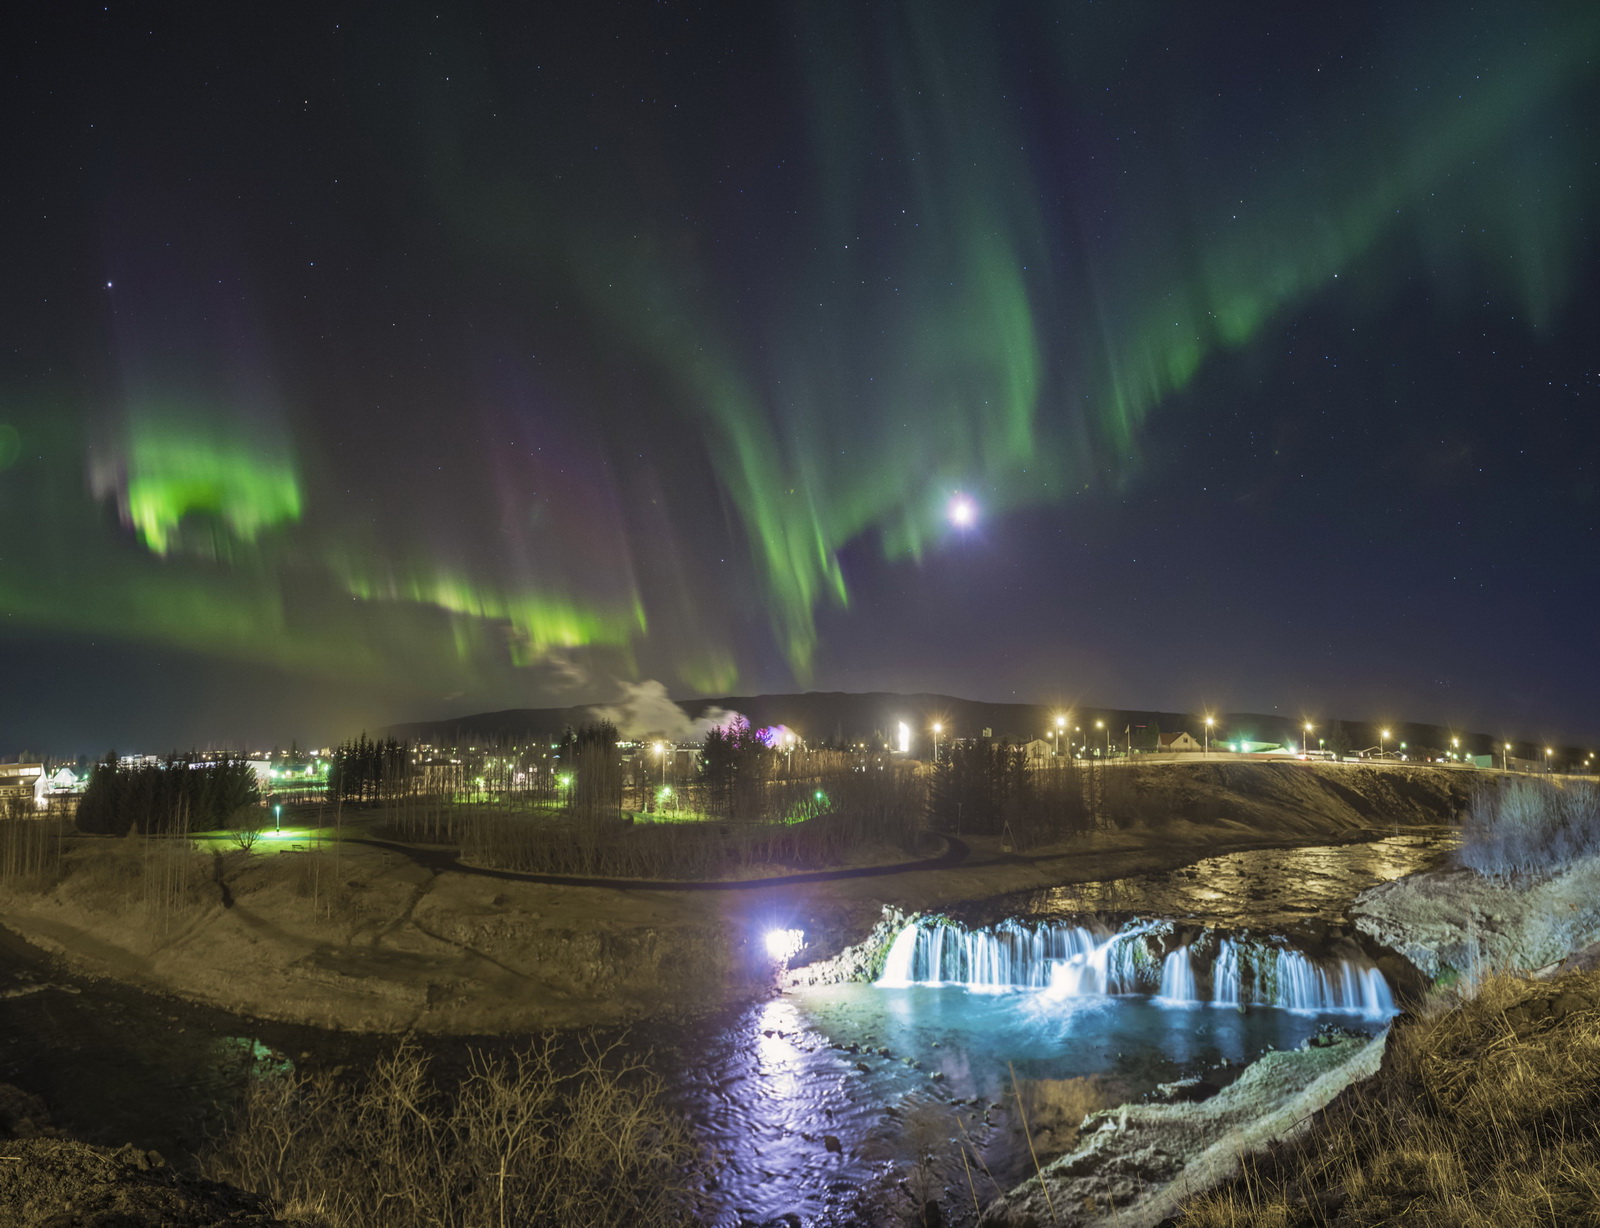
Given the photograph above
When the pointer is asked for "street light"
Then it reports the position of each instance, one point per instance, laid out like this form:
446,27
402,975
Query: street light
1061,723
1547,753
1210,721
1383,738
1102,725
1306,745
937,730
1505,758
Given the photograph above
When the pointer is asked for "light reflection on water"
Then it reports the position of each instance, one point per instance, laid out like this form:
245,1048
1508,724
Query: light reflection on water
894,1072
768,1086
1257,889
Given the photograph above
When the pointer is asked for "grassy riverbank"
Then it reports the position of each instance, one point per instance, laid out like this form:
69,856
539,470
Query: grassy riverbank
360,937
1483,1113
1487,1108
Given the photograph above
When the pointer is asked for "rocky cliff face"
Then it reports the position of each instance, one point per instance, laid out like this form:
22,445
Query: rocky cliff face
1454,922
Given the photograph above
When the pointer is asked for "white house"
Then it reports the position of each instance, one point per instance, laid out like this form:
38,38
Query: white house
1179,741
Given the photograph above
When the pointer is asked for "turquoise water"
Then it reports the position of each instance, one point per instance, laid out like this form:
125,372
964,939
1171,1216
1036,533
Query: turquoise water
897,1073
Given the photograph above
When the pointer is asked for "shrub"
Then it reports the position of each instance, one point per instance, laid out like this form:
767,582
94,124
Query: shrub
1531,829
530,1139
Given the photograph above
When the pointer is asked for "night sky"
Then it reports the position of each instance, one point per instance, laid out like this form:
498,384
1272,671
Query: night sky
391,361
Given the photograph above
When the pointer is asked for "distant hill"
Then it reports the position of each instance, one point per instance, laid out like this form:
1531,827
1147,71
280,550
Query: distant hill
835,716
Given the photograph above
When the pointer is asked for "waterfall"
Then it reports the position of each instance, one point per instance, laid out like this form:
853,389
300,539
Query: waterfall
1120,964
897,967
1070,961
1177,977
1225,976
1012,955
1300,985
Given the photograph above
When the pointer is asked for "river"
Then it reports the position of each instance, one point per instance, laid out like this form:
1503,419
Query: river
834,1105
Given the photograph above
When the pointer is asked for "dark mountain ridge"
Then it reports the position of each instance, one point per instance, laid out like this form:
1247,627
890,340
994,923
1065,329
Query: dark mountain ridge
843,716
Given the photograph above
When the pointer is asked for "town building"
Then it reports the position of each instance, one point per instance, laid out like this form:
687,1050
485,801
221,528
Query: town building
22,783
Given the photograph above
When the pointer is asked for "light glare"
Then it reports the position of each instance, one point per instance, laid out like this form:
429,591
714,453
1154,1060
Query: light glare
781,944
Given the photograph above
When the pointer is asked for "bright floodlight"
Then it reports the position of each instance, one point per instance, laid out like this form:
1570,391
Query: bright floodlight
963,512
781,944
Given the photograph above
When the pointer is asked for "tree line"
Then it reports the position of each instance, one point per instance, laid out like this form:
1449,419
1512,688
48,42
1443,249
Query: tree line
181,793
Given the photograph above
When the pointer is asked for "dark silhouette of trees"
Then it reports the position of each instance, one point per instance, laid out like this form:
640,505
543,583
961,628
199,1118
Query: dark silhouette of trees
972,785
984,787
180,794
364,771
591,757
734,766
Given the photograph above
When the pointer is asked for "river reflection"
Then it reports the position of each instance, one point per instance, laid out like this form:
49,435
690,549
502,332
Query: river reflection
896,1073
892,1076
1258,889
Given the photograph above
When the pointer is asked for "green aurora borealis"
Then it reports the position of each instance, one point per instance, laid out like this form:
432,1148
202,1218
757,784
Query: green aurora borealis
606,347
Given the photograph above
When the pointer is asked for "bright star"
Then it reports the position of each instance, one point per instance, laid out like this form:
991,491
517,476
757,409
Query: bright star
963,512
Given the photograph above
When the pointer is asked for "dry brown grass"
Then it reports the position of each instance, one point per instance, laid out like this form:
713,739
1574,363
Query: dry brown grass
1486,1112
530,1139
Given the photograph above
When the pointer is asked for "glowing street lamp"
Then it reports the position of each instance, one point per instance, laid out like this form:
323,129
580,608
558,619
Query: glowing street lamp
937,730
1210,721
1102,725
1061,724
1306,745
1383,738
1505,758
1547,753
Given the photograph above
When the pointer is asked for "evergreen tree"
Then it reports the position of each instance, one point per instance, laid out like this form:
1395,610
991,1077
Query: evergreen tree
179,794
973,785
594,762
734,765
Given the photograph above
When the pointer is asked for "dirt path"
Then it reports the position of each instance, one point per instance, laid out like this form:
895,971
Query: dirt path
439,860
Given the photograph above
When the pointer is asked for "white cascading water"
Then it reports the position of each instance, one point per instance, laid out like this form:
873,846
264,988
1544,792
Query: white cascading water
1304,986
1074,962
1177,977
1225,976
1112,966
1012,955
